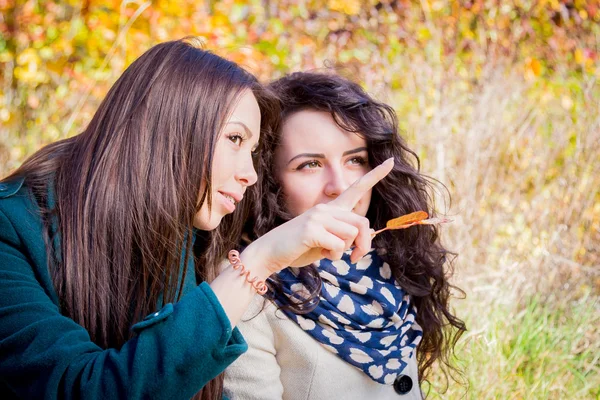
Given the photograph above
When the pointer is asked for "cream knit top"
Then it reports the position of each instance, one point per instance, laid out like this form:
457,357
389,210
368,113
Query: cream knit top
284,362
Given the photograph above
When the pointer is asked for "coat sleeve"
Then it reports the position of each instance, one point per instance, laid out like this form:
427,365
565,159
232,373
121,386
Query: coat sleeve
44,354
256,374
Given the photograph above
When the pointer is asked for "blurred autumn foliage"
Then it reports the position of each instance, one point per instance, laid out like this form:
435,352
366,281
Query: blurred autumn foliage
500,99
59,57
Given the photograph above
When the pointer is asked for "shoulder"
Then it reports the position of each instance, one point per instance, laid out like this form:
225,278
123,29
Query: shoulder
11,202
15,197
11,187
259,323
258,309
20,219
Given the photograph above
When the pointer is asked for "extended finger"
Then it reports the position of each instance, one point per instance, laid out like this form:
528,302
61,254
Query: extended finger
357,190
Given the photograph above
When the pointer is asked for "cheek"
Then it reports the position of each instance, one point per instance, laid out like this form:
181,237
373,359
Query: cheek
358,173
222,166
301,193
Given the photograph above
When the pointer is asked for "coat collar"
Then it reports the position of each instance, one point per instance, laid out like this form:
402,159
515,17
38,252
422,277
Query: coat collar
10,188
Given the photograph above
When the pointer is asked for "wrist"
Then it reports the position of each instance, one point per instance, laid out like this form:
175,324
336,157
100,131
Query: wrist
256,262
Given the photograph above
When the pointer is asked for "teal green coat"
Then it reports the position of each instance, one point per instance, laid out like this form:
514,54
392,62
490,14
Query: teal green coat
44,354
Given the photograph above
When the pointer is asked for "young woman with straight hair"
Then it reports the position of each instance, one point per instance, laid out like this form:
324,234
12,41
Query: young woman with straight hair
111,241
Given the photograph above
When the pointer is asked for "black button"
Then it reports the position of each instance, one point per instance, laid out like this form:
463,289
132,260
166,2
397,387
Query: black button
403,384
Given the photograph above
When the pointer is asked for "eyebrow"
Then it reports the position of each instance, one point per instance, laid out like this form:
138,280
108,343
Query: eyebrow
243,125
320,155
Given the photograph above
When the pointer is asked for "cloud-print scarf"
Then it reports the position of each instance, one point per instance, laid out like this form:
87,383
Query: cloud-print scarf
363,316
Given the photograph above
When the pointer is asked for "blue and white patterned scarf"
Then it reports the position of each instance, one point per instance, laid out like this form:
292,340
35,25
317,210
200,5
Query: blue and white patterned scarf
363,315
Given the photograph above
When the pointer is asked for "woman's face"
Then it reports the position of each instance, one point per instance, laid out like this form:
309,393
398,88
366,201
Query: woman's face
232,168
317,160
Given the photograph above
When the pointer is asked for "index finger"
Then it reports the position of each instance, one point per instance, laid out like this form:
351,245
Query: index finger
357,190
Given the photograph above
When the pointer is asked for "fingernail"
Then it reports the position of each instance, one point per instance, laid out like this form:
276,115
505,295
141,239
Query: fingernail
389,161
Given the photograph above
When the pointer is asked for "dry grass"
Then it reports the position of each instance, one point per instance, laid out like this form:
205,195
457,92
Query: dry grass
523,165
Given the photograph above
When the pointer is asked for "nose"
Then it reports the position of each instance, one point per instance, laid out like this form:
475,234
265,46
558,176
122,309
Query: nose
245,173
336,182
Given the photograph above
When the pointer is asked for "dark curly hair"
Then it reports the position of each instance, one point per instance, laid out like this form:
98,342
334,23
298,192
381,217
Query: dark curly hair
419,262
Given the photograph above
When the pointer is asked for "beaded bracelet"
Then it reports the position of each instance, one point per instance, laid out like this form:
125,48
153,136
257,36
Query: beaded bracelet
258,285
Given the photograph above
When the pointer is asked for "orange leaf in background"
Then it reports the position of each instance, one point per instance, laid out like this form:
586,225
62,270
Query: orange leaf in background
533,67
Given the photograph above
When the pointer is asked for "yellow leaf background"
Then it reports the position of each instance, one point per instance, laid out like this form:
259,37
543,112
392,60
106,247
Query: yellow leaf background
499,99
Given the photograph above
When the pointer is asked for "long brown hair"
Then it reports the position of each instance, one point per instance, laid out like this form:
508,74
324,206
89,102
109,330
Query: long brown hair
126,190
419,262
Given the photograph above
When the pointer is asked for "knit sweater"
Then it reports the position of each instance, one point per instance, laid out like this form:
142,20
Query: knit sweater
284,362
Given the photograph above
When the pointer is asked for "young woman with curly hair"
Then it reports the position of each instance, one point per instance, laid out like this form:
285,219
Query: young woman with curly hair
354,328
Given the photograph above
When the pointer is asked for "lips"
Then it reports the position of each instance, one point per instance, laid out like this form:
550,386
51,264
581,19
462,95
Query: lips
228,197
230,200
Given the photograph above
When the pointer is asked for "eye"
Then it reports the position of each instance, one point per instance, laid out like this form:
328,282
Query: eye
236,138
357,161
309,165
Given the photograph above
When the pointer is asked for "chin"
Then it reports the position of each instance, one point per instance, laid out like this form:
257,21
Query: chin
209,225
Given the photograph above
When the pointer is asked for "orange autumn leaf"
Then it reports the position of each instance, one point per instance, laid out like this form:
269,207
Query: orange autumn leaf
406,219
